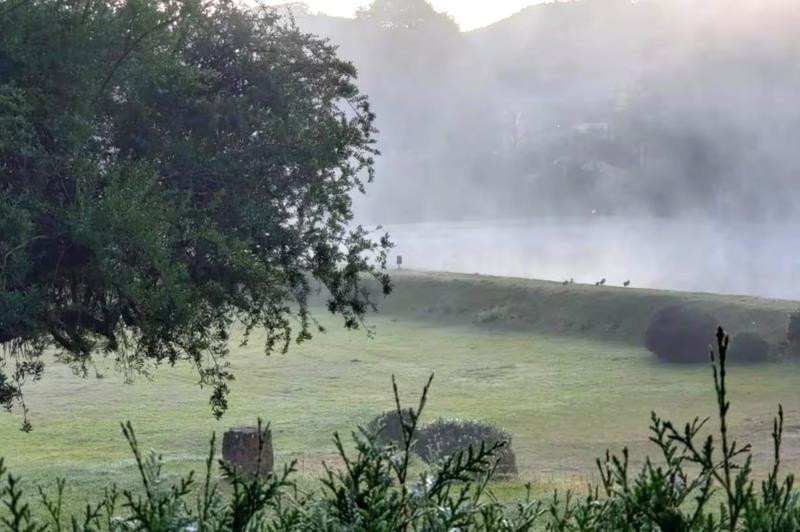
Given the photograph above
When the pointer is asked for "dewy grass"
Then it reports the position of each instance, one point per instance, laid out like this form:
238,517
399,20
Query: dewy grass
563,400
373,490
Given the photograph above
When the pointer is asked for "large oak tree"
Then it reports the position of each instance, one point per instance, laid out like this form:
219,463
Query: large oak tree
170,169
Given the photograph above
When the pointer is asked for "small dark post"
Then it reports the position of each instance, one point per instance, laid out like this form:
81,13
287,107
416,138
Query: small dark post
399,261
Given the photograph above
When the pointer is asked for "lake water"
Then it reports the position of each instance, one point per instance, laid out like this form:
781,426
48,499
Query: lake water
731,258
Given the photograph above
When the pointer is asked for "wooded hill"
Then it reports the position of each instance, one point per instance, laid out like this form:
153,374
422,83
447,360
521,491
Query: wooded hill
659,107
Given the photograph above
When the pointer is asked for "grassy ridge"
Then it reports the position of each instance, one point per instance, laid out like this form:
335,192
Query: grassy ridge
604,313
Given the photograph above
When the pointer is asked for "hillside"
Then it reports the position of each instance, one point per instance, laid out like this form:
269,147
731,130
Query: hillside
604,313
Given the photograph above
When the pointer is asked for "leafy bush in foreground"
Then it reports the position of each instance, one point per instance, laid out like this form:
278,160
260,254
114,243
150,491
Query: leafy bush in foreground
698,483
445,437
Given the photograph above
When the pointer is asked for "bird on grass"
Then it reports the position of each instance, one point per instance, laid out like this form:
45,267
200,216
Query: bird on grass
626,283
602,282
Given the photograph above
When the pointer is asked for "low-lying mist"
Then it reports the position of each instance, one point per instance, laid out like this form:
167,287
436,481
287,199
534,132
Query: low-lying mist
756,259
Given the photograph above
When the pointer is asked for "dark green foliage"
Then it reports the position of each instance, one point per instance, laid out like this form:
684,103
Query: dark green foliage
680,333
445,437
169,168
388,428
749,347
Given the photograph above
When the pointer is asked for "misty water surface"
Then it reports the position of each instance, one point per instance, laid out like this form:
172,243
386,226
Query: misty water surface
731,258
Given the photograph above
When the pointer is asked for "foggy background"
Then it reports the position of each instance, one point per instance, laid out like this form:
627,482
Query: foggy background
650,140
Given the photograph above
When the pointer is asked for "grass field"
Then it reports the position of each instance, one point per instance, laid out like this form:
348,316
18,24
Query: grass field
545,366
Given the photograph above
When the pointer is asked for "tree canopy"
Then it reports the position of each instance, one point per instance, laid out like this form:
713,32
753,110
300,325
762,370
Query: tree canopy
170,169
406,15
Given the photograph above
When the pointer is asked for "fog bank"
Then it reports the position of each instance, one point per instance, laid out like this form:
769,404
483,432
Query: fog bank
690,255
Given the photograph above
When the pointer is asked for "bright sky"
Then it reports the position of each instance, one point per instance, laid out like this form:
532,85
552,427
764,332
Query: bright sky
469,14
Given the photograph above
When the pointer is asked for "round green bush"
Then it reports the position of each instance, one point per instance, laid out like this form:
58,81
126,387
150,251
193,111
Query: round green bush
793,334
445,437
748,347
387,427
793,328
681,334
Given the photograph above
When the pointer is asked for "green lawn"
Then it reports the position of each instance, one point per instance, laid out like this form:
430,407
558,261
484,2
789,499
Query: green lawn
564,398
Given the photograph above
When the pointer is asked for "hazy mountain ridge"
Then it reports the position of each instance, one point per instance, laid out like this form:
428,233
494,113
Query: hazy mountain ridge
617,107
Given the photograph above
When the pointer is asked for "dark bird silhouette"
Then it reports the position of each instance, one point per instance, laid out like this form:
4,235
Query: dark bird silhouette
565,283
626,283
602,281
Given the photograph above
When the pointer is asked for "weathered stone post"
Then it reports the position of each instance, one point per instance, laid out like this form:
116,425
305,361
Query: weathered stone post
240,449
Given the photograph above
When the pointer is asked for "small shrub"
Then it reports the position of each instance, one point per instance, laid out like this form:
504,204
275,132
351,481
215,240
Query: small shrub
793,333
680,333
793,328
387,427
493,315
749,347
446,437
